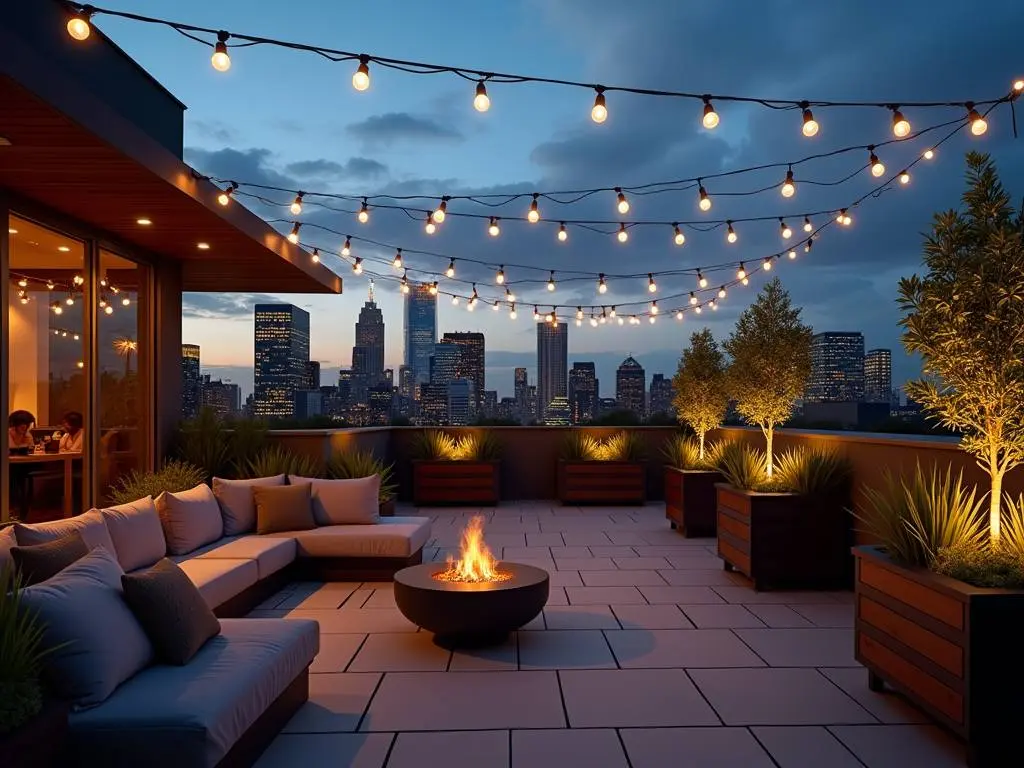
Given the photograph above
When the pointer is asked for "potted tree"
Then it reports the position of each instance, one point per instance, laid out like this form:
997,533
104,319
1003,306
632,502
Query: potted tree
351,464
940,605
608,471
451,469
700,400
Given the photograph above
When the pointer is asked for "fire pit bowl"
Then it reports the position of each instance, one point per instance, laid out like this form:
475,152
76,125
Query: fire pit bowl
462,613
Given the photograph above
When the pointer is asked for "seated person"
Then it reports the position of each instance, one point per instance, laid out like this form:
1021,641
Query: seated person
19,425
71,440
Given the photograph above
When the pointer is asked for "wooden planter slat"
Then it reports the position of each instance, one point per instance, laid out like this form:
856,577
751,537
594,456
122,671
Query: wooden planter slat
952,649
690,500
602,482
456,482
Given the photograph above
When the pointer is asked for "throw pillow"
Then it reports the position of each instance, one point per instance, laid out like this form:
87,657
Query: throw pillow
236,503
97,643
284,508
346,502
90,524
137,534
190,518
38,562
169,607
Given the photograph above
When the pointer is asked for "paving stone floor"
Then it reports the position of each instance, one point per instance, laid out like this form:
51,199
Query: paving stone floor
648,654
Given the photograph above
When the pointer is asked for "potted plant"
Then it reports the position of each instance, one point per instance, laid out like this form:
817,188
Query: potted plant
33,726
173,477
451,469
347,465
609,471
791,529
940,608
700,400
278,460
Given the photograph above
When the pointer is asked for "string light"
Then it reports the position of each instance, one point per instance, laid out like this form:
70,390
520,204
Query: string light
807,224
810,126
361,77
785,230
704,202
551,281
679,314
293,236
792,253
450,272
978,124
430,228
494,230
844,218
721,292
346,249
809,245
316,256
78,280
57,308
512,311
439,214
904,177
623,235
710,117
220,60
767,266
405,282
623,203
652,320
108,310
496,306
397,262
225,196
23,283
693,299
536,314
78,25
900,124
613,312
563,234
1018,85
357,266
533,216
474,298
509,296
49,285
877,167
455,301
603,318
364,212
550,317
296,206
602,286
788,188
579,313
433,288
730,233
125,301
652,286
741,272
481,101
593,321
678,235
599,112
701,280
654,307
929,154
620,321
499,278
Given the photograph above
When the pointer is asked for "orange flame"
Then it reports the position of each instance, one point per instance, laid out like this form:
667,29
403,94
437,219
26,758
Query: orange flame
477,562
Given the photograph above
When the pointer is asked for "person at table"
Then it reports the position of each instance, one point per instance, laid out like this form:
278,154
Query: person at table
19,426
71,425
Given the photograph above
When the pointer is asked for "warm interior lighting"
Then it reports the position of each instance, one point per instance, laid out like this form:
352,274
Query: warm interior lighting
203,246
63,248
143,222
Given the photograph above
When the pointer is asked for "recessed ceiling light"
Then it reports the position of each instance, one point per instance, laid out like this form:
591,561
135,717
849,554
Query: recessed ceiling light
144,222
63,248
12,231
203,246
4,141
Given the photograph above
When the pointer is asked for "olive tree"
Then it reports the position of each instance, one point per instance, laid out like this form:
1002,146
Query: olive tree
700,396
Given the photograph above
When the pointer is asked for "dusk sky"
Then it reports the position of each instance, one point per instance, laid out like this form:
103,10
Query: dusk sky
292,119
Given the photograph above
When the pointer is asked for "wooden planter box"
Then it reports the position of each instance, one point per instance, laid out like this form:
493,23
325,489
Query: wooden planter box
690,500
602,482
952,649
39,743
782,539
456,482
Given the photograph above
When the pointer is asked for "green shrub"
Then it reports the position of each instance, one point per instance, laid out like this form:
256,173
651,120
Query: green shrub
346,465
278,460
173,477
579,446
21,655
481,446
683,452
438,445
624,446
743,466
221,449
433,445
814,472
981,566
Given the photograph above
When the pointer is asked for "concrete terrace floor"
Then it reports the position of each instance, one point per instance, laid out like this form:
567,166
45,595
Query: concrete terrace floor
648,654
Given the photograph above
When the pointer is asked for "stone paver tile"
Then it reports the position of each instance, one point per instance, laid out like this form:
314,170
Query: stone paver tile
702,577
569,553
713,747
556,596
336,702
680,595
899,746
564,649
802,647
651,617
594,748
545,564
777,697
695,563
681,552
804,746
355,750
827,614
544,540
381,598
566,578
585,564
357,620
530,553
747,595
580,617
537,622
329,596
400,652
585,538
502,657
638,563
666,537
633,698
629,538
450,749
690,648
612,550
778,616
720,616
274,600
887,707
441,701
336,651
622,578
604,596
495,540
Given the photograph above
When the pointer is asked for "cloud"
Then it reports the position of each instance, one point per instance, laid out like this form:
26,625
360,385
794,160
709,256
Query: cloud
355,167
393,127
223,306
213,129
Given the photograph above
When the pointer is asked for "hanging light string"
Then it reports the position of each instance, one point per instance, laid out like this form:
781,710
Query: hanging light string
80,17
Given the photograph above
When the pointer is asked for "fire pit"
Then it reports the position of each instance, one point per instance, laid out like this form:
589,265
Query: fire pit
474,600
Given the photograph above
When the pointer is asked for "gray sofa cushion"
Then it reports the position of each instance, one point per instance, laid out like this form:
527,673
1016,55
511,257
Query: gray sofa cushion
137,533
343,502
270,554
219,580
391,537
90,524
190,518
169,717
236,502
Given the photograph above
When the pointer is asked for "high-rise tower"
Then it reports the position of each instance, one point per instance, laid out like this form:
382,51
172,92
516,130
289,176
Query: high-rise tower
370,334
552,364
420,331
281,356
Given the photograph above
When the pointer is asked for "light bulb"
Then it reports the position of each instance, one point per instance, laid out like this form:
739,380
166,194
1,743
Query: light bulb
79,27
500,277
58,309
225,196
599,112
905,177
550,318
713,305
721,292
693,299
108,309
807,224
612,313
296,206
364,213
623,203
496,306
929,154
877,166
316,256
433,288
786,231
405,283
593,321
678,235
579,313
455,301
745,281
623,235
397,262
767,266
293,236
654,307
509,296
23,283
49,285
652,319
730,233
705,201
536,315
79,280
701,280
710,118
439,214
651,285
900,124
602,286
220,60
679,314
24,299
357,266
450,272
512,312
1018,85
810,244
125,301
563,234
533,216
978,124
361,77
430,228
810,126
346,249
741,272
603,318
493,230
551,281
788,188
621,321
481,101
792,253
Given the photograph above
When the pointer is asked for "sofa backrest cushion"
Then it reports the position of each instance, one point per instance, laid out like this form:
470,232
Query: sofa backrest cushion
38,562
190,518
344,502
89,524
97,642
137,533
236,503
284,508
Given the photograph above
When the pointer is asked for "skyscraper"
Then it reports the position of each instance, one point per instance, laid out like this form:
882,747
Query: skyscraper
661,395
191,394
878,376
522,394
583,393
312,375
631,386
445,363
837,368
461,402
552,364
223,398
420,331
370,334
281,354
471,361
